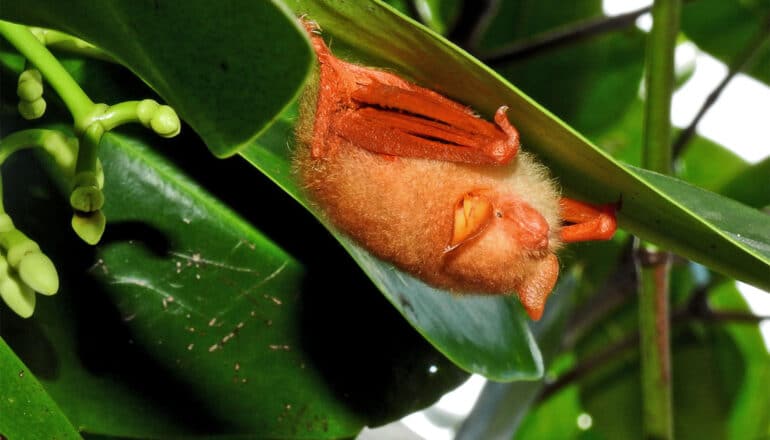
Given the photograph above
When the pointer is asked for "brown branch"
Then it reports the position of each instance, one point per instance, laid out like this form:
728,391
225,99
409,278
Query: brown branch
588,365
561,37
616,291
733,316
696,309
472,21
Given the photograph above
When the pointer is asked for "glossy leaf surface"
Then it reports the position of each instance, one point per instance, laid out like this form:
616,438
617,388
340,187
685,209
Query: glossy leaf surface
185,302
214,63
721,224
26,409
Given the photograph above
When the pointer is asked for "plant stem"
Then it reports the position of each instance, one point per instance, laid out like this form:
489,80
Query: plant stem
65,42
653,265
89,148
742,61
51,141
78,103
19,140
660,85
654,325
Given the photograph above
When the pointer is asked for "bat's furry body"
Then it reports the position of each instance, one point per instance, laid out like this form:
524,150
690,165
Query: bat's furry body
401,209
486,222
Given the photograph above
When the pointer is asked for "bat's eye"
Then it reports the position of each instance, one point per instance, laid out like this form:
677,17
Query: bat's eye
499,214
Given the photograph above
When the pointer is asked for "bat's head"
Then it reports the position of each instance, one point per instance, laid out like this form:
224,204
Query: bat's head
501,243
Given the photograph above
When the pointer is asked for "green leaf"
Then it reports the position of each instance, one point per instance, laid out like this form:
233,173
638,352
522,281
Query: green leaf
721,233
750,186
697,164
188,317
215,64
725,28
26,410
750,413
556,418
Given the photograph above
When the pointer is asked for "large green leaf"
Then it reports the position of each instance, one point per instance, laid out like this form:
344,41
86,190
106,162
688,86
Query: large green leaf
696,164
26,409
725,28
214,63
750,186
715,225
186,320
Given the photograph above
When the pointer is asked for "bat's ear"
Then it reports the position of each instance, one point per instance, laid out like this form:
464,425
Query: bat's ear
534,290
472,214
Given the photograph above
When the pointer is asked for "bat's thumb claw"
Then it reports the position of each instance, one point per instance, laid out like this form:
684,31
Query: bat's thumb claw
310,26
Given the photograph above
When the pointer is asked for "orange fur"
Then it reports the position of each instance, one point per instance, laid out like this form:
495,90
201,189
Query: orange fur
402,212
404,208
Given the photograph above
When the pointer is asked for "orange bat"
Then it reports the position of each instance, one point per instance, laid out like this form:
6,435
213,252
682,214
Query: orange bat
422,182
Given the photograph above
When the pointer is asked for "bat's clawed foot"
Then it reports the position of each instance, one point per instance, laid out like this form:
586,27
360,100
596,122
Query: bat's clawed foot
586,221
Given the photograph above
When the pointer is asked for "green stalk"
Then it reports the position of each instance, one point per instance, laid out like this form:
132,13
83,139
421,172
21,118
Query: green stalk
65,42
5,220
19,140
660,85
653,265
52,142
76,100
